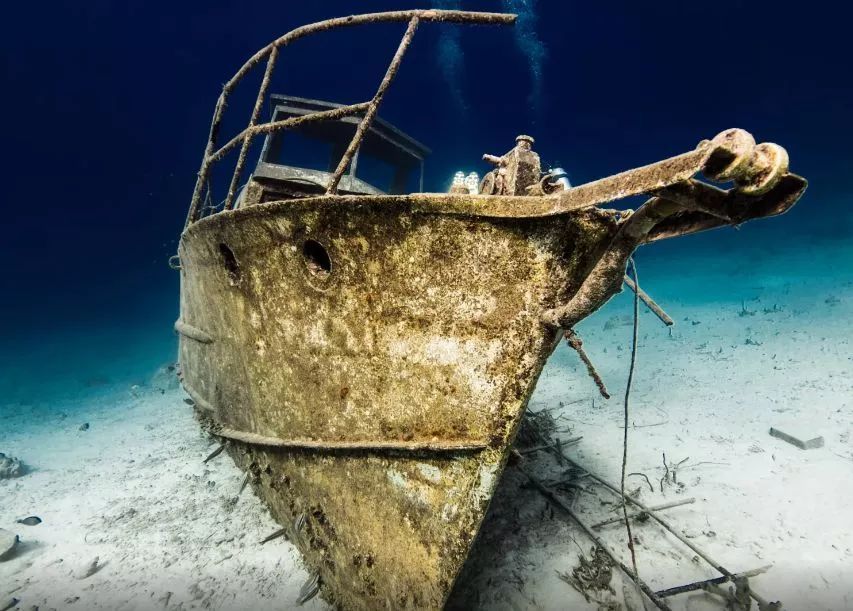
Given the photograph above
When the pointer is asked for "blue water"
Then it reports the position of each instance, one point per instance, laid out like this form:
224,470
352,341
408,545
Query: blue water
106,109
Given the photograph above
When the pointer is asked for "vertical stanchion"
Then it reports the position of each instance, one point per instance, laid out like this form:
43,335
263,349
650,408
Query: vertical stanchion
247,140
374,105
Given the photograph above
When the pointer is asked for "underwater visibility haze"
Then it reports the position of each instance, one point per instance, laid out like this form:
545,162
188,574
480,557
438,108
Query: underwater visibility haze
737,412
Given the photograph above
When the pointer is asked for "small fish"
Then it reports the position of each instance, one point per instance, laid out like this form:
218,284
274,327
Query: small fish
29,521
84,426
244,484
89,569
189,401
299,522
309,589
275,535
215,453
11,604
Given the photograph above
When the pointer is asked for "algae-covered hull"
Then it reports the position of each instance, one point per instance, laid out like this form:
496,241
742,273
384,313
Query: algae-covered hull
375,390
368,358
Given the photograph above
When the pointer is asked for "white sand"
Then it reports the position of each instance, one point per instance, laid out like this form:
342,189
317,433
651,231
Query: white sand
707,395
132,490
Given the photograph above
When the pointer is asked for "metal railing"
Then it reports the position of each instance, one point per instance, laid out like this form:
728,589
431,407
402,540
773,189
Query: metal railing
367,109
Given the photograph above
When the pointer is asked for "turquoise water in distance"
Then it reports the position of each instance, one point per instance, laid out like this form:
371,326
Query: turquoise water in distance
97,191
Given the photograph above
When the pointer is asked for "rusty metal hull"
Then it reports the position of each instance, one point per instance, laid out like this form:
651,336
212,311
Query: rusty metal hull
379,398
369,358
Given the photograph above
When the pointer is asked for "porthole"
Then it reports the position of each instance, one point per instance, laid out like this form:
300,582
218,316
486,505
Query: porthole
317,258
229,261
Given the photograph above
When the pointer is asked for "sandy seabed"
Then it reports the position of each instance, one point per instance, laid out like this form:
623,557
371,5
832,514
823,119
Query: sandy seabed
766,346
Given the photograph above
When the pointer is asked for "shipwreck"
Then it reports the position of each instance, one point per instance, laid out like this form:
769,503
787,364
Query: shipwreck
365,351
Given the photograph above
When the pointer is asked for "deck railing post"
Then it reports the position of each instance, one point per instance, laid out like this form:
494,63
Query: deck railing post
204,170
367,120
247,140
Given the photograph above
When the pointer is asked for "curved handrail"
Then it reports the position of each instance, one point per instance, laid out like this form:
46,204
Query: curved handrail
369,108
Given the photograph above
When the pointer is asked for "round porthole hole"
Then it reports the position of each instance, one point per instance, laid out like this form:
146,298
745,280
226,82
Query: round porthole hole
230,262
317,258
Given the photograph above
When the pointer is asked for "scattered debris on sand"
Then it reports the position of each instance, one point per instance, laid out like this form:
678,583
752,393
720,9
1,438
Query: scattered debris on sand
8,543
11,604
536,428
164,379
11,467
89,569
592,576
618,320
809,444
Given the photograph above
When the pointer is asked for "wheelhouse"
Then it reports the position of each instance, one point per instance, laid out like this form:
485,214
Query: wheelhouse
302,160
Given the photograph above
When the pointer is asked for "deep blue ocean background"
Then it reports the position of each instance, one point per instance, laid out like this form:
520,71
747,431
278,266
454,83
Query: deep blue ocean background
106,108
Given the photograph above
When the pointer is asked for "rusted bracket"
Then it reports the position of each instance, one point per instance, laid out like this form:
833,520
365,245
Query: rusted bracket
731,207
681,205
606,277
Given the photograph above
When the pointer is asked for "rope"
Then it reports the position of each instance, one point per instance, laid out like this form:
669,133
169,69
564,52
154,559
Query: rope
625,427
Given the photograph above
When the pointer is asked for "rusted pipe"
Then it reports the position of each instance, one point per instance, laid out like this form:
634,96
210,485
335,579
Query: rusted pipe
204,170
367,120
187,330
367,445
431,15
247,139
650,303
675,532
576,343
199,401
292,122
566,508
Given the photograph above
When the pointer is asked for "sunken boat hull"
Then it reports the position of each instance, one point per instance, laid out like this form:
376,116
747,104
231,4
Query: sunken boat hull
367,358
377,394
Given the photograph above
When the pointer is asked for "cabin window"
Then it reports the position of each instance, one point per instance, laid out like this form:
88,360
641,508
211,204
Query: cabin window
387,161
299,150
375,171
